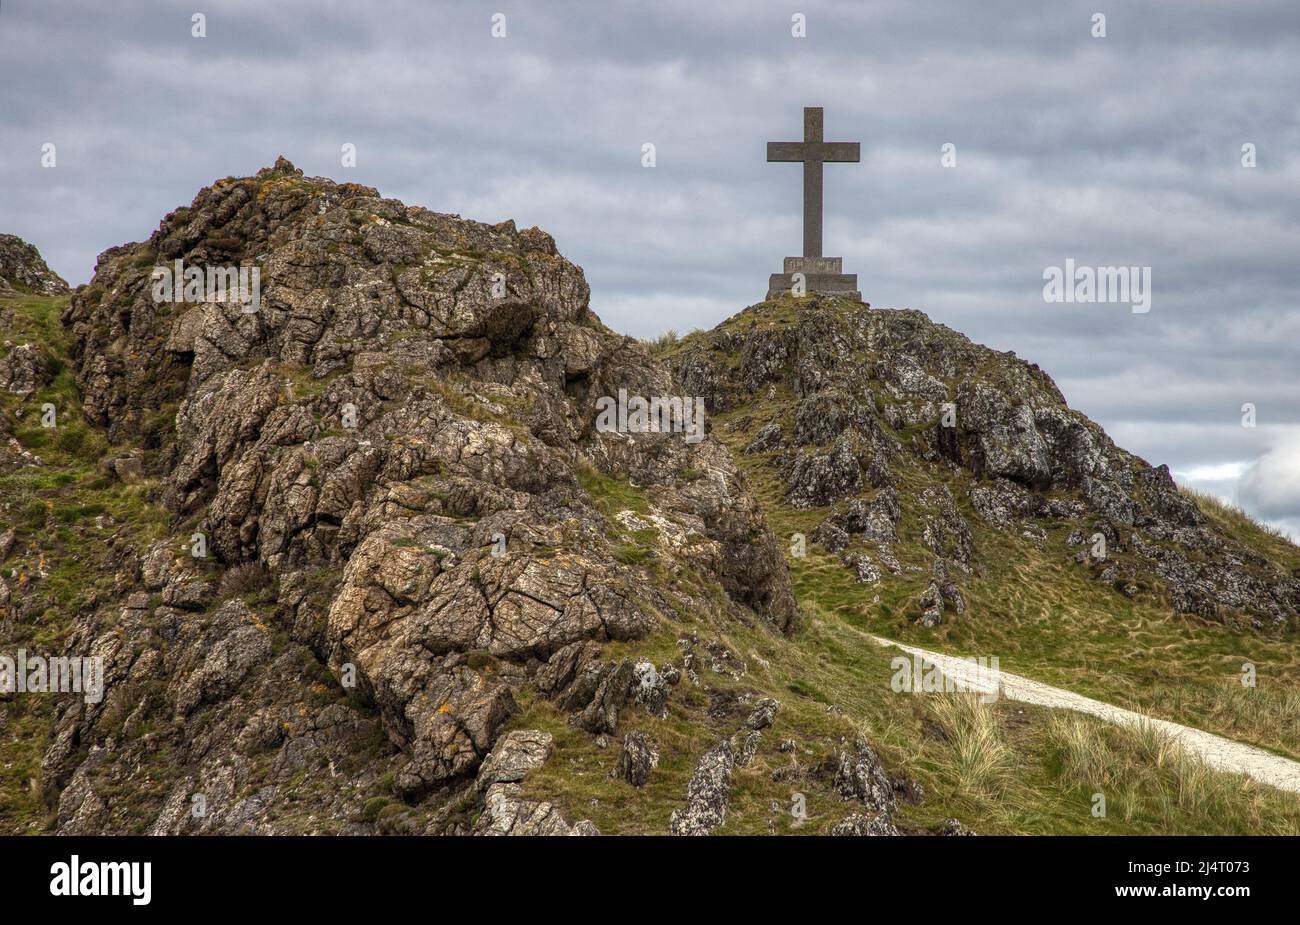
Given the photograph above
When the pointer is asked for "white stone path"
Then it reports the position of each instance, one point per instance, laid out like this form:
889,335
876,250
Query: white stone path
1217,752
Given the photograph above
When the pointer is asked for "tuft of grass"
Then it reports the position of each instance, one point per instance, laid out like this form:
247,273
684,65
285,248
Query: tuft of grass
1267,714
663,343
668,343
981,761
612,495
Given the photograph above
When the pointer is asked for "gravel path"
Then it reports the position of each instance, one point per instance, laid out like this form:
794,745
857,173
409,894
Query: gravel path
1219,753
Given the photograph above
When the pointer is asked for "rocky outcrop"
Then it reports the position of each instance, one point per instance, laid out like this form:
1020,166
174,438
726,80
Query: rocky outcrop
23,270
896,422
396,533
399,436
860,777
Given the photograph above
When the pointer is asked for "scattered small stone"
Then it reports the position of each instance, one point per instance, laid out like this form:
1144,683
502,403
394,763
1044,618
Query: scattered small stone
764,714
859,824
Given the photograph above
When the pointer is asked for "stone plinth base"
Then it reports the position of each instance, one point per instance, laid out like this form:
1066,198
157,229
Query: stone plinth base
823,275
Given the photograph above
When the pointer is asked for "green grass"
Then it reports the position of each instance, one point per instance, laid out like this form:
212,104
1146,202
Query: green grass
1144,777
1246,529
64,512
612,495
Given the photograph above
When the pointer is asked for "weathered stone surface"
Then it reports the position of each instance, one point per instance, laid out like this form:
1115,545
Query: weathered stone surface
649,690
860,824
931,601
830,535
816,479
859,776
766,440
746,743
764,713
506,812
708,794
867,572
24,368
514,755
637,759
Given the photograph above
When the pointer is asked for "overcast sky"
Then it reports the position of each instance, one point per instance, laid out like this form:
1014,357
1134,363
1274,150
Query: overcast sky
1123,150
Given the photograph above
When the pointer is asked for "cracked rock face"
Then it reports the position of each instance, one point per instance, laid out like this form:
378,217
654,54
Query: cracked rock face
401,438
24,368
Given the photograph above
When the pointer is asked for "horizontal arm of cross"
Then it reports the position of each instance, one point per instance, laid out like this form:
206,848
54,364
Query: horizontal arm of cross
813,151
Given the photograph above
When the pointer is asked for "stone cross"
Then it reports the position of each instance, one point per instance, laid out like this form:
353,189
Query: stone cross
813,152
812,272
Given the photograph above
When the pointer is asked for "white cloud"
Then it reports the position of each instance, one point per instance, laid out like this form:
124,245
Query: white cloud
1214,472
1271,487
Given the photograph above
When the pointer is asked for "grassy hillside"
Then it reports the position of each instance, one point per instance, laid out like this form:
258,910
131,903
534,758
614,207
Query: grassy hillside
1000,769
1030,604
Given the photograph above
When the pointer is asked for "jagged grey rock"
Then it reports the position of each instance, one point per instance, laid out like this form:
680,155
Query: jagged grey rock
708,794
763,714
860,776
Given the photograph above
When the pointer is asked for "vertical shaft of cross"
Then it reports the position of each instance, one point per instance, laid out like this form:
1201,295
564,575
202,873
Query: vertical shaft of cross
812,208
812,184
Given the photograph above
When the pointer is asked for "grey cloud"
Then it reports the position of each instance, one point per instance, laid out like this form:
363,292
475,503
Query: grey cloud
1123,150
